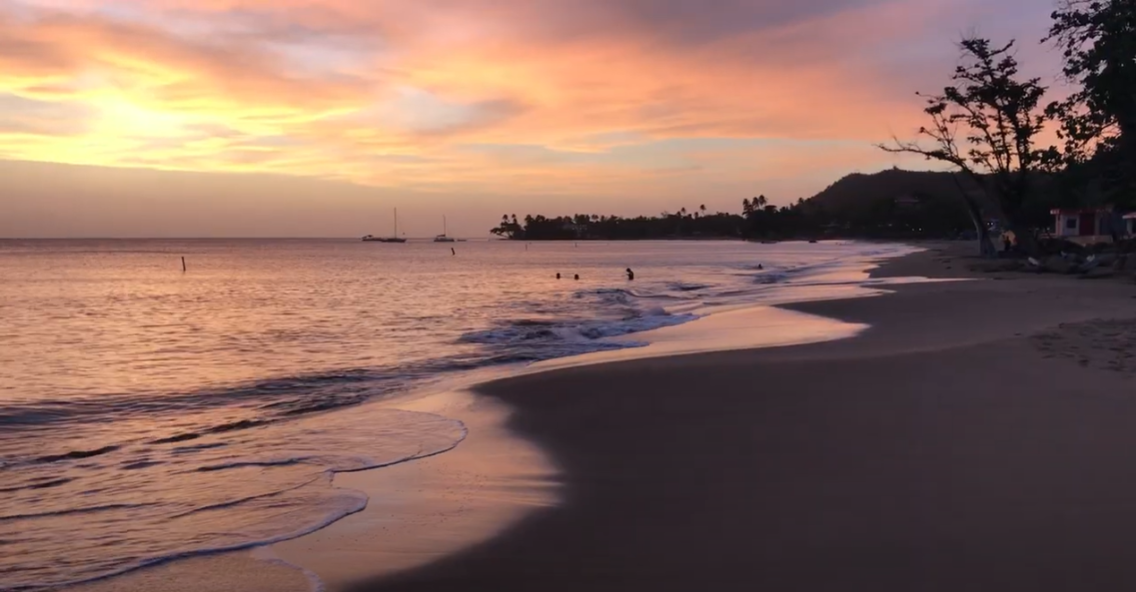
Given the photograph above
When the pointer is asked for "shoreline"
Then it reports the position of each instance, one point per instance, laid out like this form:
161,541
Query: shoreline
311,553
939,449
422,511
490,433
704,335
504,516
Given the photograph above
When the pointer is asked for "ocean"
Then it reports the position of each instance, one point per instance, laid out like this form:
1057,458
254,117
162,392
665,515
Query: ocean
148,413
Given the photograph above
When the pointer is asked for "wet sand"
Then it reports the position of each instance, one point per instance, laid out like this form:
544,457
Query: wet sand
944,448
418,512
423,511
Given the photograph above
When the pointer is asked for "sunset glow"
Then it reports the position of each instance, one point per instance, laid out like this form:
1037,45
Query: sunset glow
509,98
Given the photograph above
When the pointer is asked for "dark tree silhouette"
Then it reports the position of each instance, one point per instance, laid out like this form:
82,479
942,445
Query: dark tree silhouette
1098,43
985,125
857,206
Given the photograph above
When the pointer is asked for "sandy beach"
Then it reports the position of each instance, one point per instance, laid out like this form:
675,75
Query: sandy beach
979,436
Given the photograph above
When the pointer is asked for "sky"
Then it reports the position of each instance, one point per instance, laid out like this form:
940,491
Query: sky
315,118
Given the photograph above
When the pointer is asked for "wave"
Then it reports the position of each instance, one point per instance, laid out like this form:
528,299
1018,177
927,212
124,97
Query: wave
243,500
251,463
140,464
773,277
75,455
198,448
582,325
72,511
325,404
778,274
589,322
176,439
43,483
293,502
609,296
685,287
331,518
579,335
243,424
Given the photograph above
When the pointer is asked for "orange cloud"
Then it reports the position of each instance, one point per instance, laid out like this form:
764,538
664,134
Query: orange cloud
507,97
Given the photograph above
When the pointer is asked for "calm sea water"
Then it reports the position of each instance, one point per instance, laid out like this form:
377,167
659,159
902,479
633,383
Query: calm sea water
147,413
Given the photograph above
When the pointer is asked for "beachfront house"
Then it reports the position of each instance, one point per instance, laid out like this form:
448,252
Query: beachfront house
1086,225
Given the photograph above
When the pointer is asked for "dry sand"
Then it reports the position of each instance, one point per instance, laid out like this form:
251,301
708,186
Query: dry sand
939,450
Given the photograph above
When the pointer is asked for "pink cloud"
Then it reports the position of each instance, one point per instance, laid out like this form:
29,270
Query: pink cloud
589,76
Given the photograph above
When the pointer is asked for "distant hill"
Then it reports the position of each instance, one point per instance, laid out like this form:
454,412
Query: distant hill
857,191
893,204
858,198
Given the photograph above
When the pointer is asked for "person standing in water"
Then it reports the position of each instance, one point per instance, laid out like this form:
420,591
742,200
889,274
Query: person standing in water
576,277
558,276
630,275
453,251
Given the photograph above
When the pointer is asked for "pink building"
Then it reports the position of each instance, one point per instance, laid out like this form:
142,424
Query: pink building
1086,224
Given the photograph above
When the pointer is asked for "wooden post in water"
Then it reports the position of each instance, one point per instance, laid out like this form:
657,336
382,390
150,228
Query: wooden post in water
183,264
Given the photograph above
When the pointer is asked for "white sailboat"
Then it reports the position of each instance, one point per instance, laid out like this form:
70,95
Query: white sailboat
444,238
394,238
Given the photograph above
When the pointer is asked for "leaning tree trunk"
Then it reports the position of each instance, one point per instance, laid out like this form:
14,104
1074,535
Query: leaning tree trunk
1025,238
986,246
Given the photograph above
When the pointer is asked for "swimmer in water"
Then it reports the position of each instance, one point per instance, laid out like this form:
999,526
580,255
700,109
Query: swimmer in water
558,276
576,277
630,275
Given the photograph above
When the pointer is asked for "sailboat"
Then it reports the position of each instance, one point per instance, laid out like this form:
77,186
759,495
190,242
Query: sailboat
394,238
444,238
